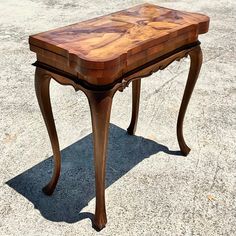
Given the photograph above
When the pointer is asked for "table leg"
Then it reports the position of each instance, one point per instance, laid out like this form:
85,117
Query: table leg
42,82
195,66
136,85
100,106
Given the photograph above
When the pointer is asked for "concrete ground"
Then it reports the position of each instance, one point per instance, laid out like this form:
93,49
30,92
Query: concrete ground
151,189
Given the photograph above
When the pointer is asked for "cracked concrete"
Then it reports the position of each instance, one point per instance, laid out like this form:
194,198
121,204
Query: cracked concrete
151,189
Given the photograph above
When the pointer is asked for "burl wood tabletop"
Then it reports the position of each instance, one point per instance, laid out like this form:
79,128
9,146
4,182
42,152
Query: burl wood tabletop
100,50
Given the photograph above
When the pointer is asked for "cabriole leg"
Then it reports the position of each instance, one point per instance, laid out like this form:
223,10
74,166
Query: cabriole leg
195,66
42,81
100,106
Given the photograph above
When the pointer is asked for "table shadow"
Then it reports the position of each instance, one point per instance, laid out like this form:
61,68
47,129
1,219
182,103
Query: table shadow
76,184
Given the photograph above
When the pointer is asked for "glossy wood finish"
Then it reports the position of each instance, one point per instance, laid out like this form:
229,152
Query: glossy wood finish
106,54
100,104
101,50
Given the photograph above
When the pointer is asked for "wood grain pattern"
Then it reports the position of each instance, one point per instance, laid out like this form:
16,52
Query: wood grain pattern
100,102
101,50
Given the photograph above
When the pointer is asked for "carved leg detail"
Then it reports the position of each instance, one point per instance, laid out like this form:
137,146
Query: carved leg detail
100,105
196,62
42,81
136,85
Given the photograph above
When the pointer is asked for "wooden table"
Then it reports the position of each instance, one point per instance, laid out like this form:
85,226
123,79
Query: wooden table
103,55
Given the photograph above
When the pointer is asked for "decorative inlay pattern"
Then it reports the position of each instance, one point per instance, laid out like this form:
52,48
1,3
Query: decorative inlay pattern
101,50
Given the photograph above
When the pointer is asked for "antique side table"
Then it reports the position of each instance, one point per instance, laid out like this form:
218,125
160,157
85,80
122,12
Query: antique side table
103,55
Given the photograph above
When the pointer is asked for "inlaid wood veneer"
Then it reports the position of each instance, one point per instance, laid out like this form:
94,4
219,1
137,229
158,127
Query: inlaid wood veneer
101,50
105,54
